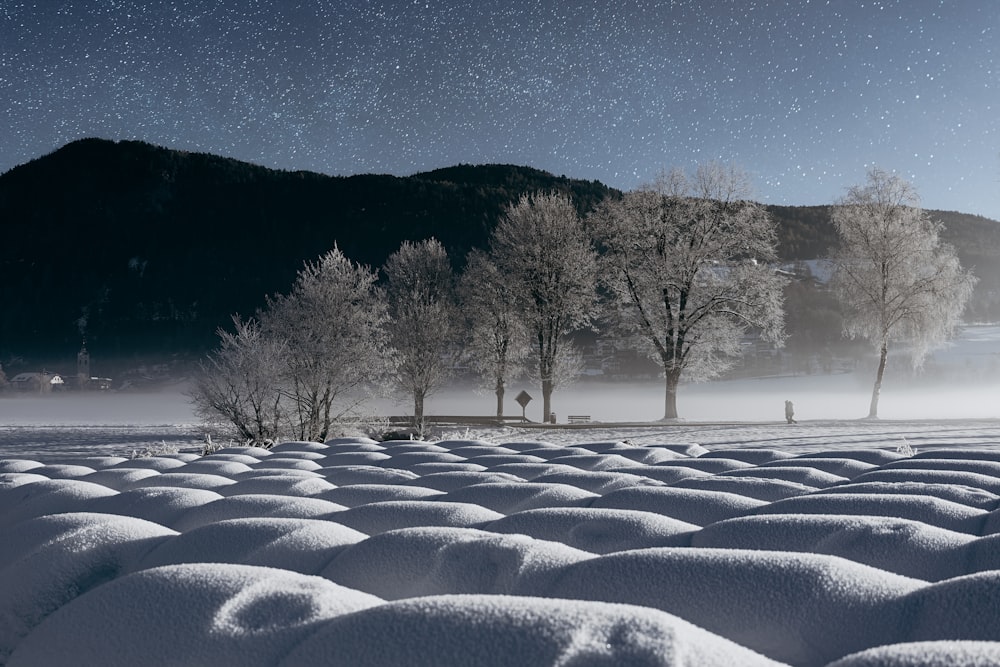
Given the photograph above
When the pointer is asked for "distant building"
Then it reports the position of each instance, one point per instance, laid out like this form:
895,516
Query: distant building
40,383
101,384
84,380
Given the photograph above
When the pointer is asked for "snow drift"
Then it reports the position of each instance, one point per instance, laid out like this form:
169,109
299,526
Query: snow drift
465,552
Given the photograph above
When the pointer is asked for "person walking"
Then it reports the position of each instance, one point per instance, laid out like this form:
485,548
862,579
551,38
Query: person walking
790,412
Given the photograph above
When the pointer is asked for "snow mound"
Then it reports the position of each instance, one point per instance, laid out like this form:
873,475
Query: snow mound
413,562
963,495
497,631
230,615
46,496
759,488
254,505
381,517
596,530
691,505
926,654
909,548
283,484
361,494
928,509
787,606
602,553
365,474
300,545
48,561
455,480
162,505
510,497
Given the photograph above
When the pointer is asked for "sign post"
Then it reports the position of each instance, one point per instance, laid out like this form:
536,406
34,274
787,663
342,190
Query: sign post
523,399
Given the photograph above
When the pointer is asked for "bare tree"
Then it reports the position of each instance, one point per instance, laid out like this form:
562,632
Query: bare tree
332,325
497,339
894,277
541,247
685,260
240,383
420,289
303,363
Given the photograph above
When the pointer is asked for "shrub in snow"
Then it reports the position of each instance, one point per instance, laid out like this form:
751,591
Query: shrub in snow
497,631
959,608
162,505
749,487
25,501
63,471
299,545
360,494
790,607
933,511
119,479
231,615
254,505
460,479
184,480
363,474
18,465
282,484
510,497
598,531
60,557
962,495
926,654
430,561
599,482
906,547
690,505
9,480
380,517
951,477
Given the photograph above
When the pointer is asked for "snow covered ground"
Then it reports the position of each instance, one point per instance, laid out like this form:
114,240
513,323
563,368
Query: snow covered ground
727,539
694,544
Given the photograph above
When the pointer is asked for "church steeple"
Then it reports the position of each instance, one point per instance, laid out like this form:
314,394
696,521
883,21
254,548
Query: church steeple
83,366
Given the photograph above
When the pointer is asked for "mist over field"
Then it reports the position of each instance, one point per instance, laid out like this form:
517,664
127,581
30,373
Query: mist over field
958,381
843,396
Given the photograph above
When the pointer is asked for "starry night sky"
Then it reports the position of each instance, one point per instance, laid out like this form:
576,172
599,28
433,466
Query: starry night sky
806,95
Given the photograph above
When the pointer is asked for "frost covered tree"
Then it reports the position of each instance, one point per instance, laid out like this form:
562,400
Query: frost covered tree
685,261
550,265
895,279
332,325
240,383
496,337
302,363
421,296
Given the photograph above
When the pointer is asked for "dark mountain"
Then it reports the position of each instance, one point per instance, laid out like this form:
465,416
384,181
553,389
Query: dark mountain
145,250
807,232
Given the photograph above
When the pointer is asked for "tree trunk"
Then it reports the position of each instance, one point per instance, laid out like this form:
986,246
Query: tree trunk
418,412
546,401
500,392
877,389
673,378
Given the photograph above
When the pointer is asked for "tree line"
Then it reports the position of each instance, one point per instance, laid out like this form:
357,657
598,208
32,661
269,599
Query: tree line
682,269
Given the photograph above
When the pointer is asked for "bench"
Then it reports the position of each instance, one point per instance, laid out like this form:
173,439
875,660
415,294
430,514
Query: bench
579,419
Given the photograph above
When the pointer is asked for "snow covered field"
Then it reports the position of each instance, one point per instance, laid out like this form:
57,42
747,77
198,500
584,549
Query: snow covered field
737,541
694,544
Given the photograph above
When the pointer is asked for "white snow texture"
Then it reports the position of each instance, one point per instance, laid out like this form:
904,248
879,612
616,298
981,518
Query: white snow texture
466,552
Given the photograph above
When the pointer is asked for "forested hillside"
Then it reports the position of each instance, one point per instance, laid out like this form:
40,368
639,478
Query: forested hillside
146,250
